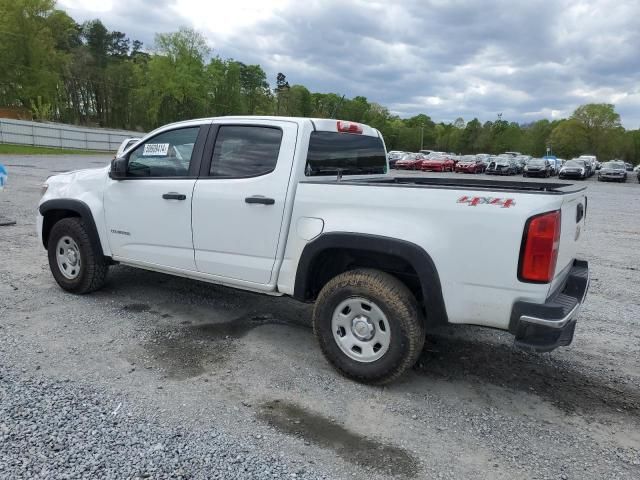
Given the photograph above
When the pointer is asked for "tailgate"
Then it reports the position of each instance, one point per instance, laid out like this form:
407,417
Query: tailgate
574,212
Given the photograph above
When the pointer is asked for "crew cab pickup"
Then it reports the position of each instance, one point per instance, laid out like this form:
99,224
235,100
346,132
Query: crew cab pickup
306,208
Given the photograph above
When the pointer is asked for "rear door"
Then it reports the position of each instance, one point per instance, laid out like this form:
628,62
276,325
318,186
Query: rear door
239,199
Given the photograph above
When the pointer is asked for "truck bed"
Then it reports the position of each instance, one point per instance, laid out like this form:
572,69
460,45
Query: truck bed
552,188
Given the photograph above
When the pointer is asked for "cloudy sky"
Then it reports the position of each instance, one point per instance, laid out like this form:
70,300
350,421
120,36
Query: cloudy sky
448,58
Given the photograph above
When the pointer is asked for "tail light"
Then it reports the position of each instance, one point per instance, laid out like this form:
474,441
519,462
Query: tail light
539,251
349,127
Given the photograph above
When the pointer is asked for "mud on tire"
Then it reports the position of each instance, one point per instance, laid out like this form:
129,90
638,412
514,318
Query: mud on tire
93,268
395,301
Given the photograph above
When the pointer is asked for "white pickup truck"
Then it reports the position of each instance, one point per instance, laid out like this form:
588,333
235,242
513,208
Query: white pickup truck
306,207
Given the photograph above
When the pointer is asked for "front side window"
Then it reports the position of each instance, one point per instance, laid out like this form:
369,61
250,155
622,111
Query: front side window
245,151
165,155
351,154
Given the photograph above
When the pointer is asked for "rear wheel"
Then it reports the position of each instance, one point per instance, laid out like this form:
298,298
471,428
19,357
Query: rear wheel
73,260
368,325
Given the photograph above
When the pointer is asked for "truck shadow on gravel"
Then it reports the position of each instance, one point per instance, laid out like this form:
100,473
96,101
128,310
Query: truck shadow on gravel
556,381
365,452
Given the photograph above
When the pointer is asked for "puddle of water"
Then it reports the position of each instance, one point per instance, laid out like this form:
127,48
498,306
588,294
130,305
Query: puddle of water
136,307
193,342
352,447
22,166
181,356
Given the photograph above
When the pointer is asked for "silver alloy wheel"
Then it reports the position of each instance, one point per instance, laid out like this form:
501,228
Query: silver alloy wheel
68,257
361,329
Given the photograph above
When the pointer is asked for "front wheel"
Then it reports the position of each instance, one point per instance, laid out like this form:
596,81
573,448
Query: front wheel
368,325
73,259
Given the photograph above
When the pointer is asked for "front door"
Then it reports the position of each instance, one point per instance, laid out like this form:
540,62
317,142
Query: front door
148,214
239,201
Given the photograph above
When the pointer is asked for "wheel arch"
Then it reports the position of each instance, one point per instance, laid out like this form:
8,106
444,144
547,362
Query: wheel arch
333,253
55,210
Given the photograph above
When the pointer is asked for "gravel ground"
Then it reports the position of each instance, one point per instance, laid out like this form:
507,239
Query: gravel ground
156,376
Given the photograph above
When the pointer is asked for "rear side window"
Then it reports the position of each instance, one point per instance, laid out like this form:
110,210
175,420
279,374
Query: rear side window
245,151
351,154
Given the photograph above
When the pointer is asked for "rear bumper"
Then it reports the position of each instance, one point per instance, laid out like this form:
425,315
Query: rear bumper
543,327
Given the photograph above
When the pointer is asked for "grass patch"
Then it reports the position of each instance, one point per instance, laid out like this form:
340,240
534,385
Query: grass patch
9,148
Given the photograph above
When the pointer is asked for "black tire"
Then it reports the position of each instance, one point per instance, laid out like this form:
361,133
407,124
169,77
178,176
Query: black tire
93,266
395,300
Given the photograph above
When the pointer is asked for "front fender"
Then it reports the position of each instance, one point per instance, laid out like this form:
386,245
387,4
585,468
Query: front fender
61,208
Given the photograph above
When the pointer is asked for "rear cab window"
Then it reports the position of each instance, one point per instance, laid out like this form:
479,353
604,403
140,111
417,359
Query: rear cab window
332,153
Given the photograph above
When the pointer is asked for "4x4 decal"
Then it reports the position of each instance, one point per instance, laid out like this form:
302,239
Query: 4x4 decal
475,201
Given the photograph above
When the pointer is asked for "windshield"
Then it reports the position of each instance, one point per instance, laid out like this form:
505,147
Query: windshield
332,153
615,165
536,162
574,163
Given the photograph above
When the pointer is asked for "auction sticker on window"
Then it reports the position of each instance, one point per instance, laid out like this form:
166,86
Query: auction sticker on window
155,149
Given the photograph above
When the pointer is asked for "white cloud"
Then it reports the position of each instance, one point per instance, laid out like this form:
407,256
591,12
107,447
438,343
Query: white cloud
469,58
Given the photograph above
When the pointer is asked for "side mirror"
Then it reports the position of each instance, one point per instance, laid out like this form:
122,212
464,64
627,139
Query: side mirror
118,168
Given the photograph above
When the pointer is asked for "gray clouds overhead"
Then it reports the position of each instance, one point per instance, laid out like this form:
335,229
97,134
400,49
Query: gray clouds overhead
527,60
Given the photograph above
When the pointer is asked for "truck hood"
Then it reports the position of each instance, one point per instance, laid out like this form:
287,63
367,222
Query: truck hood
78,175
79,184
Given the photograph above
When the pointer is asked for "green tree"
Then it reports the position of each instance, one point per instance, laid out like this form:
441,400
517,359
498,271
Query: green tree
600,122
300,101
176,81
254,89
28,55
568,139
470,136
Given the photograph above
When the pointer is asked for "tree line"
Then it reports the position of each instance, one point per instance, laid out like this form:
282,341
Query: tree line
55,69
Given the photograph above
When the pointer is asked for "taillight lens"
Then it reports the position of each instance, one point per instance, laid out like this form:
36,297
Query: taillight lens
540,248
349,127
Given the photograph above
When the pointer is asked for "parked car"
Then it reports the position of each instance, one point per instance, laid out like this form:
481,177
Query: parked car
304,207
470,164
575,168
484,158
522,161
590,163
629,166
394,156
554,162
638,175
537,167
126,143
437,163
502,165
408,161
613,171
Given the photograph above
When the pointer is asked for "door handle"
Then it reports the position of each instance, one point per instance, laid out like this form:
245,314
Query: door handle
174,196
259,199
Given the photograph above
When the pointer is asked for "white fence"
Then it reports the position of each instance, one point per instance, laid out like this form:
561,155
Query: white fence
61,136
